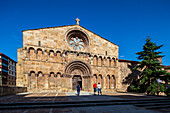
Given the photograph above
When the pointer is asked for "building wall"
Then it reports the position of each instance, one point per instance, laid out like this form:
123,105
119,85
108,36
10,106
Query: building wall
46,60
7,71
6,90
127,76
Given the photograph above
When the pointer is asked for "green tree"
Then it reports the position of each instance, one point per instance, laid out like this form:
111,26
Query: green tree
151,69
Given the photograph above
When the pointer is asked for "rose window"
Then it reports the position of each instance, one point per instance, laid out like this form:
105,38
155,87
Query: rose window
77,40
76,43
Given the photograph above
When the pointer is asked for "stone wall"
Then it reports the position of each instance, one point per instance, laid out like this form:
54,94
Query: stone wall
6,90
127,76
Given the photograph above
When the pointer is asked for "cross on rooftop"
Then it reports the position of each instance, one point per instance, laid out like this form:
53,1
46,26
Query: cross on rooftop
77,20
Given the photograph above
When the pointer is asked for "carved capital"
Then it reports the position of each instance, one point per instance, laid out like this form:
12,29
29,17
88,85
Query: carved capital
66,75
86,77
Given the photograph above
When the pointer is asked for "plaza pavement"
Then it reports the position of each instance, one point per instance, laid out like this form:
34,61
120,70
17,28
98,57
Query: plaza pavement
52,102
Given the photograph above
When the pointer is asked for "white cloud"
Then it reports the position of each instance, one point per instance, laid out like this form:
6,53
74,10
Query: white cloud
122,56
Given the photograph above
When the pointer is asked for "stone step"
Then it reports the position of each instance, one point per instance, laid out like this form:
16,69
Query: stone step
74,102
78,104
158,107
153,104
92,101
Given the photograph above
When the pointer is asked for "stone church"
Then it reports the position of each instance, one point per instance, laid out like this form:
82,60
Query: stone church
59,58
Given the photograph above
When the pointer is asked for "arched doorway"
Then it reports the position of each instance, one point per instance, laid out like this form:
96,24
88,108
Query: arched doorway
75,81
80,73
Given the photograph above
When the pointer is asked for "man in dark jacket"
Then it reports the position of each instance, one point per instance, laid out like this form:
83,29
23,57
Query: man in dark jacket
78,90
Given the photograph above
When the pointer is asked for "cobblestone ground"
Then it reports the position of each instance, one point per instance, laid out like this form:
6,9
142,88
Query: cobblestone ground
71,96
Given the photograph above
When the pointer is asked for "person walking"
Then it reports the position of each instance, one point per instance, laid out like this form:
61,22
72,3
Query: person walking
95,88
78,89
99,88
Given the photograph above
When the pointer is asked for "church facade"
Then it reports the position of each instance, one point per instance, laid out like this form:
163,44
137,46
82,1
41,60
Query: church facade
59,58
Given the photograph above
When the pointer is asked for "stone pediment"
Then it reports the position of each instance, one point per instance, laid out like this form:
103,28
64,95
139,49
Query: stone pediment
69,26
71,38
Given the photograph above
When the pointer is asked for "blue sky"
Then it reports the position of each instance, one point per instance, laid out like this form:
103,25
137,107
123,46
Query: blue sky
123,22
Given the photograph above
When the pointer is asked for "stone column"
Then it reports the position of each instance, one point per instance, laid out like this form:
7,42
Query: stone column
109,84
46,81
83,82
26,80
91,83
29,81
36,82
55,77
104,82
70,82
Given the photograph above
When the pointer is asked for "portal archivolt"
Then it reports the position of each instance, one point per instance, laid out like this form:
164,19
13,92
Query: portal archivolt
80,72
78,67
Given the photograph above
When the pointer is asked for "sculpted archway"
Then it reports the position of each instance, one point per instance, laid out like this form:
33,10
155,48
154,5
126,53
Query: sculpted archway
80,73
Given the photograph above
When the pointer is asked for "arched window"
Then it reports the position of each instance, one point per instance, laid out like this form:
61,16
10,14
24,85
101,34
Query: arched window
95,60
108,82
52,80
100,61
94,78
58,56
39,54
113,82
32,54
108,61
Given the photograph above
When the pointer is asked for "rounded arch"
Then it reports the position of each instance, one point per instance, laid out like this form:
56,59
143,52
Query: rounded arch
40,72
100,76
95,75
108,58
30,48
58,74
51,51
58,53
51,73
31,72
108,76
113,76
39,49
79,65
100,57
95,56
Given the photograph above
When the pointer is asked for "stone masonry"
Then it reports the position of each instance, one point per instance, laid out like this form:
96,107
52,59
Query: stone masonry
59,58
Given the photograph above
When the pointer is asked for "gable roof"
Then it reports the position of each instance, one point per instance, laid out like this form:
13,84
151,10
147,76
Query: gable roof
71,25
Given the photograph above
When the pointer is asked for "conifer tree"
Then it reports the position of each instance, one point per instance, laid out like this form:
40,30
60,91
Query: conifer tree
151,69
